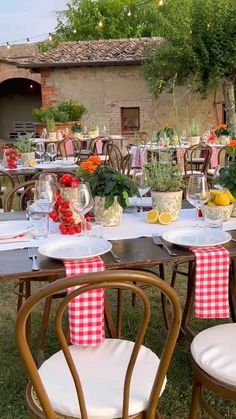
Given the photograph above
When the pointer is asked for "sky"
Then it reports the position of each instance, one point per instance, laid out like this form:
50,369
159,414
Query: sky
26,18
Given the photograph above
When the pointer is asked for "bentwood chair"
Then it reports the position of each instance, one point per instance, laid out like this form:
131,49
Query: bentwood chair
214,366
118,379
69,148
27,193
115,158
197,159
6,182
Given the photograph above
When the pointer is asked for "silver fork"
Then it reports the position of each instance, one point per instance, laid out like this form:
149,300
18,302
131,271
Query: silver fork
32,254
159,242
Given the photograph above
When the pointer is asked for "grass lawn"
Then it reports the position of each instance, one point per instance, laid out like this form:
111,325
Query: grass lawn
176,398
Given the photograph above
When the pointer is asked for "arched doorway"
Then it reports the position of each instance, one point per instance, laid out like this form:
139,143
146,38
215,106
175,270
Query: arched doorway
18,96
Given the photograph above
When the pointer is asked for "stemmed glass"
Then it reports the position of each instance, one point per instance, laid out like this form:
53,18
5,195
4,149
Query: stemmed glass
140,179
40,150
52,150
197,193
45,191
82,202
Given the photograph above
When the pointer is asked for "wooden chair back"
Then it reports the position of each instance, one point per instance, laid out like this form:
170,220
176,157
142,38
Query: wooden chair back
126,164
115,158
69,148
6,183
27,193
121,280
197,158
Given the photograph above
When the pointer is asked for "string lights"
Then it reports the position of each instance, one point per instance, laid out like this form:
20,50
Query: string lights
50,34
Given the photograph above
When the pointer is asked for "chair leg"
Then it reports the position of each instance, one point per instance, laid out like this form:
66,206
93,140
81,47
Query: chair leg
43,331
20,295
195,402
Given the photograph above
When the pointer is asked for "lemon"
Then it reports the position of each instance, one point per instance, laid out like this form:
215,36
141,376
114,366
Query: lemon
211,204
214,192
222,199
230,196
165,218
152,216
33,163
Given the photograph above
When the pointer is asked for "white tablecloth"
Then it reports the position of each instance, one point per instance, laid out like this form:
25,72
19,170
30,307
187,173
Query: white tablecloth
132,226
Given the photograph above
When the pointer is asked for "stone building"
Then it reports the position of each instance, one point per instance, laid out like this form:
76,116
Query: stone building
105,76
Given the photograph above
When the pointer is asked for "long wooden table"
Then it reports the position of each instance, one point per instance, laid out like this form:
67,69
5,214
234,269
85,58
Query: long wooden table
133,253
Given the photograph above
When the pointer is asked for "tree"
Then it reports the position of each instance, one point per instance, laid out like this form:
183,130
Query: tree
107,19
198,48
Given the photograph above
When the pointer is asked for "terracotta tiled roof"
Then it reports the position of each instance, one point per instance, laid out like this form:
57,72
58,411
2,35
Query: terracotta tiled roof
92,53
18,52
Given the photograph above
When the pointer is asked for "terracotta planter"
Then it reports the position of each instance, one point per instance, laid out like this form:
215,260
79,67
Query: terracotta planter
167,201
59,126
111,216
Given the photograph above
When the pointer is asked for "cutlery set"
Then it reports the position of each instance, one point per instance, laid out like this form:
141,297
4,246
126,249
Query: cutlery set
158,241
32,254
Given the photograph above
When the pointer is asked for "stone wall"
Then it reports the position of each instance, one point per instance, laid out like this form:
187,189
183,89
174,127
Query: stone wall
104,90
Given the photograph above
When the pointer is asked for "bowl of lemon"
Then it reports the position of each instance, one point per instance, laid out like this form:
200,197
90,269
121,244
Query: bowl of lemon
220,201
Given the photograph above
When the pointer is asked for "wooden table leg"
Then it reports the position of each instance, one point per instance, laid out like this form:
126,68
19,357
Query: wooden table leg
188,307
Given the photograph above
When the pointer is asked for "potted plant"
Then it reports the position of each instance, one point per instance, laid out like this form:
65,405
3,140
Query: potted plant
194,133
227,174
110,188
25,148
64,115
166,182
77,131
224,133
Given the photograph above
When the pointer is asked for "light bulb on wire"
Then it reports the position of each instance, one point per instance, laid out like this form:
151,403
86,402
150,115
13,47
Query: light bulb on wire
100,24
129,13
8,45
74,30
50,37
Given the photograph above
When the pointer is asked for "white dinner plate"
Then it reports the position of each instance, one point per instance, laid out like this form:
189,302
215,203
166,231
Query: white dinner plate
197,237
72,248
14,228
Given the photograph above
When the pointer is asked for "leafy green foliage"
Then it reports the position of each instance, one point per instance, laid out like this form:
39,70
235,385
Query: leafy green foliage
163,176
199,48
108,182
24,143
227,177
80,20
64,112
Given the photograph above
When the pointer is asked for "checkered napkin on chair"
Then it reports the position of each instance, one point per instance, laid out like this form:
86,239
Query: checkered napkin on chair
214,157
211,282
136,157
86,312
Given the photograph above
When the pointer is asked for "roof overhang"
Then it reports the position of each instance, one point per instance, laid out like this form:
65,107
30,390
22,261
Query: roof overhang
80,64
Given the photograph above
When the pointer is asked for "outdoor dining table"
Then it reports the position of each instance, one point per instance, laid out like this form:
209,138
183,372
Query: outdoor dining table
134,253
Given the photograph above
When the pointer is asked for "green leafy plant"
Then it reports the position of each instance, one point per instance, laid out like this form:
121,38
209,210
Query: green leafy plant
227,174
108,182
65,112
50,124
223,129
163,176
24,143
194,129
76,128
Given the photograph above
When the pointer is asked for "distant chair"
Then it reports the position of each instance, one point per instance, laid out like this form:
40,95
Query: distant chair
115,158
69,148
27,193
197,159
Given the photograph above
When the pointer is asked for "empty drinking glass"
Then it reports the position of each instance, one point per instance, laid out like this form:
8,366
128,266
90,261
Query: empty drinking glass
40,149
52,150
197,193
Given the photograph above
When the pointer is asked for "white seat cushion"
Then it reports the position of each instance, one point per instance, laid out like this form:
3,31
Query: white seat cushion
214,351
102,371
192,172
213,172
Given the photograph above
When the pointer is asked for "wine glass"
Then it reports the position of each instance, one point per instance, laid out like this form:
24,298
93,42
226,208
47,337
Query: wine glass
44,193
40,149
82,202
52,150
140,179
197,192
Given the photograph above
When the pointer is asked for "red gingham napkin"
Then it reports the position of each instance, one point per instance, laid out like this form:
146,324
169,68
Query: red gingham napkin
86,312
180,158
214,157
211,282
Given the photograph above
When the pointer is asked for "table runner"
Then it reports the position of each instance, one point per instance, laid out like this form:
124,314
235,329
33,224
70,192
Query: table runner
214,157
86,312
211,282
